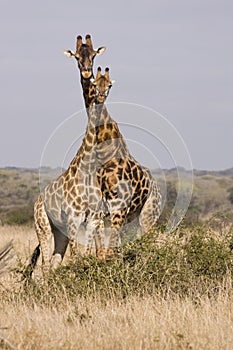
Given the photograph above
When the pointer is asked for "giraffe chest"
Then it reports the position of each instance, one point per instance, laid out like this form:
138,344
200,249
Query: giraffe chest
82,194
124,183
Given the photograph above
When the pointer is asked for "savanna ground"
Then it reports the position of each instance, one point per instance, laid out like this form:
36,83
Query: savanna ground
162,292
165,291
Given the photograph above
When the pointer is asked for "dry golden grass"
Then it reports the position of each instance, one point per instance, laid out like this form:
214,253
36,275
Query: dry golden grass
24,237
148,322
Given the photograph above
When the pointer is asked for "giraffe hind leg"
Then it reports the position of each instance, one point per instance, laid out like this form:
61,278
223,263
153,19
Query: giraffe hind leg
117,221
99,240
75,232
44,233
90,235
44,236
60,244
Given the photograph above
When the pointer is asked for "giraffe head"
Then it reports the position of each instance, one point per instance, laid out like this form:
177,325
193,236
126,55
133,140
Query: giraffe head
102,85
85,55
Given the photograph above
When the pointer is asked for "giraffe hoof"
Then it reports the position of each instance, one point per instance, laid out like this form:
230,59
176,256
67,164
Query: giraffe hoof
100,254
101,257
110,254
56,261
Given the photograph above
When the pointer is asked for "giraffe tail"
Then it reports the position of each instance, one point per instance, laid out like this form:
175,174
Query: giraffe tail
29,269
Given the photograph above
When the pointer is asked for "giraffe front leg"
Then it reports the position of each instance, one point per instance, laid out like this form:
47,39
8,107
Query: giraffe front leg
89,235
117,222
75,232
73,247
99,240
113,242
95,232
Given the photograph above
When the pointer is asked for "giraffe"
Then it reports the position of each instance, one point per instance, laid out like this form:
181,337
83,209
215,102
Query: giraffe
72,199
123,186
128,188
63,205
85,55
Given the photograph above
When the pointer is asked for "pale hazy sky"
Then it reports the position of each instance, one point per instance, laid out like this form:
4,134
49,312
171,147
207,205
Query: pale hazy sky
173,56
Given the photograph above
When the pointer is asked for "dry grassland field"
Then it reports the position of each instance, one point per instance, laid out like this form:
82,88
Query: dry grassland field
161,293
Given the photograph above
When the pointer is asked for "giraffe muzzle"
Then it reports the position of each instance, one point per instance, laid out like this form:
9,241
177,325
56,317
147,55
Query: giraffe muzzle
86,74
101,98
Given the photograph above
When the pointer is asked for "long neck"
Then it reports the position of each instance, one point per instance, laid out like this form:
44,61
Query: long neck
87,153
102,141
88,91
110,142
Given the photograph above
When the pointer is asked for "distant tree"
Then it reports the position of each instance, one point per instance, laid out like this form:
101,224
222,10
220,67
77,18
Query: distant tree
170,202
193,214
171,194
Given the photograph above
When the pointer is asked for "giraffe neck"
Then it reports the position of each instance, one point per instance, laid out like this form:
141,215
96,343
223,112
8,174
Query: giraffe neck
102,140
84,153
88,91
110,142
85,158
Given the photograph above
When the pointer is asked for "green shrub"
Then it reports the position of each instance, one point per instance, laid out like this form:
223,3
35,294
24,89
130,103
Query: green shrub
188,262
19,215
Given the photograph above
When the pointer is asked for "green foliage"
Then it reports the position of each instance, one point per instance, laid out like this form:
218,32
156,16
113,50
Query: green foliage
19,215
192,216
18,190
170,202
188,262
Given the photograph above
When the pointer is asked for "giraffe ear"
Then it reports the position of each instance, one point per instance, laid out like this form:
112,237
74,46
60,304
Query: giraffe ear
100,50
68,53
92,80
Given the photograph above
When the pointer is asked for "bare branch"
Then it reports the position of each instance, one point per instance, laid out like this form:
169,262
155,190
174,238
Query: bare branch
7,342
6,255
